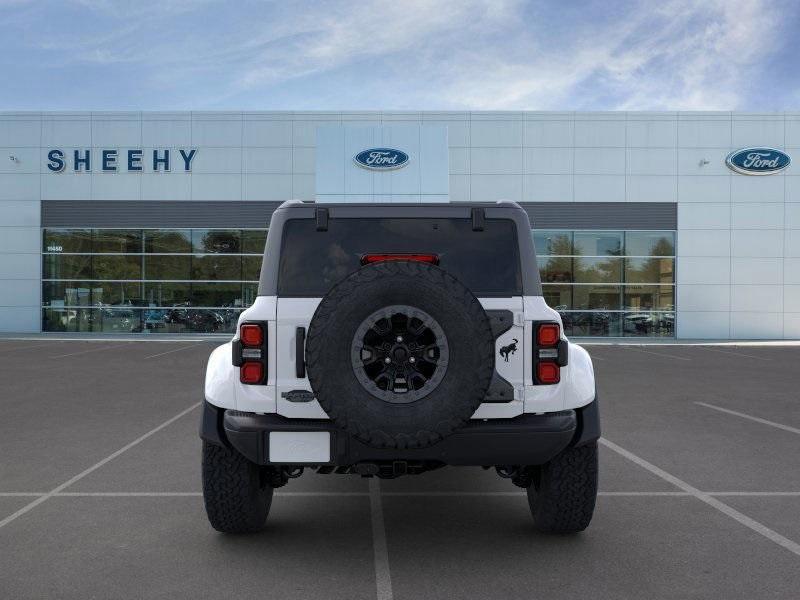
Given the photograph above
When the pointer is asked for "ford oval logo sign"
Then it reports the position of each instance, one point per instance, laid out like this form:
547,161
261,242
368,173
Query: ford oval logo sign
381,159
758,161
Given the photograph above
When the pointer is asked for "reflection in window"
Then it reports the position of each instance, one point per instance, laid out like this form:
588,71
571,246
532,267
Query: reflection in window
253,241
648,324
168,267
215,267
558,296
117,240
556,269
598,291
67,240
550,243
168,241
67,266
148,280
598,243
227,241
649,270
598,270
649,243
597,297
167,293
649,297
251,268
116,266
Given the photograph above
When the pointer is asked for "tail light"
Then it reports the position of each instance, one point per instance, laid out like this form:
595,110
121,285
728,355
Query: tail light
368,259
250,353
550,353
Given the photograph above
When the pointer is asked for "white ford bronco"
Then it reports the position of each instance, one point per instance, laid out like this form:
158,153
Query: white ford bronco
395,339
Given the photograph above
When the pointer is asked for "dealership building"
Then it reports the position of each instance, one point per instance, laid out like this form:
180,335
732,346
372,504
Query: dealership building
647,225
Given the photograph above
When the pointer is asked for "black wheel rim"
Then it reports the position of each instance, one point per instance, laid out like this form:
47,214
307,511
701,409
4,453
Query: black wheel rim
399,354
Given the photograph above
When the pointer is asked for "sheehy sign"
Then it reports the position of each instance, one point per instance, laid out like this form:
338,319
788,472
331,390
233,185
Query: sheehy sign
133,160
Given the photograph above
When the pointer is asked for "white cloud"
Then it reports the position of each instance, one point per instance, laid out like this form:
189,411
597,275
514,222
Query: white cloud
684,56
474,54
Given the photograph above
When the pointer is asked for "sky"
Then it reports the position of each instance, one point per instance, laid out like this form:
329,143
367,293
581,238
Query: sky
400,55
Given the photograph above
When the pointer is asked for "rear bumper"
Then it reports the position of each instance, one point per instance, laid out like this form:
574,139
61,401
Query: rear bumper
524,440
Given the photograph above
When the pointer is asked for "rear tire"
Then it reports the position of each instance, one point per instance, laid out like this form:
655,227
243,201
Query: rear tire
236,492
563,492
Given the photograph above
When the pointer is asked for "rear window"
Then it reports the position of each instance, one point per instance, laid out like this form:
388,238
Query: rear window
312,261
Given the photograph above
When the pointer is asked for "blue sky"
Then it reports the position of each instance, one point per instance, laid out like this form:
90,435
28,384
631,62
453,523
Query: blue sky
400,54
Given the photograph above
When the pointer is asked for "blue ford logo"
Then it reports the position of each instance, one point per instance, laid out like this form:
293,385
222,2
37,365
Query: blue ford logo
758,161
381,159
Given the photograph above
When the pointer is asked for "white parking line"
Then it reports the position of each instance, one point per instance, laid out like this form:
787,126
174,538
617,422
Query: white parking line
734,514
656,353
755,494
170,351
751,418
87,351
383,578
30,506
735,353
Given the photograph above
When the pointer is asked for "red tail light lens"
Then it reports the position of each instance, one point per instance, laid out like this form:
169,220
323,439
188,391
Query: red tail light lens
251,372
548,334
251,335
249,352
548,373
368,259
549,353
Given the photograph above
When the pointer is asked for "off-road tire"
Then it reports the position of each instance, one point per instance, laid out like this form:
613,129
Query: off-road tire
236,492
369,418
563,492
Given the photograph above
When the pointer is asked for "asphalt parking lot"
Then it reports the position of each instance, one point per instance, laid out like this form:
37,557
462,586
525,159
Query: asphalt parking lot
100,491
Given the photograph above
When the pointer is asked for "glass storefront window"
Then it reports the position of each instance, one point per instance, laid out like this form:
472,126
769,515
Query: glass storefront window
558,296
160,241
167,293
216,267
67,266
609,283
604,283
598,243
597,297
251,267
555,269
140,320
91,293
176,267
67,240
117,266
598,270
253,241
649,297
227,241
648,324
592,324
124,241
148,280
552,243
216,294
650,270
650,243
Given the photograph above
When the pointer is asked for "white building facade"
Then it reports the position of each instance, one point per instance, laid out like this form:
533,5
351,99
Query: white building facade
154,222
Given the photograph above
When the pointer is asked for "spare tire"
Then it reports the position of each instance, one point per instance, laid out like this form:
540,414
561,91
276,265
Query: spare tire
400,354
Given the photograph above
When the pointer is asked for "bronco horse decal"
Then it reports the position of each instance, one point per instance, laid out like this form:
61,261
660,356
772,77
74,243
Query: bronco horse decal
510,349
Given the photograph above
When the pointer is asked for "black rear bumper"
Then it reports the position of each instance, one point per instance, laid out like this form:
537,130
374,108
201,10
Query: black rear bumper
524,440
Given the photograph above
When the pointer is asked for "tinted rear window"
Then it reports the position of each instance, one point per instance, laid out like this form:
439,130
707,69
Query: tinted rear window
312,261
